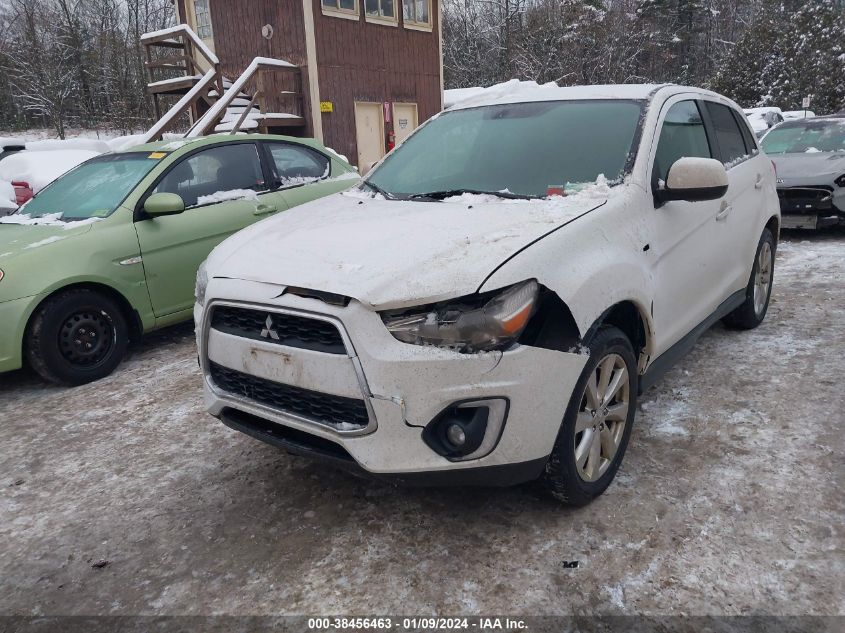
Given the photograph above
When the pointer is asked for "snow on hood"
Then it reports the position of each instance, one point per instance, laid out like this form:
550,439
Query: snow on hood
389,253
810,164
25,234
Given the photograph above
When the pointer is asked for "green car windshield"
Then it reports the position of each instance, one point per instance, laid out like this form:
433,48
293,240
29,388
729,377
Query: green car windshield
807,136
523,149
94,189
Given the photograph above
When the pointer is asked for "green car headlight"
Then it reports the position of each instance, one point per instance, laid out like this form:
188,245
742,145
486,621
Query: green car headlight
202,284
2,274
471,324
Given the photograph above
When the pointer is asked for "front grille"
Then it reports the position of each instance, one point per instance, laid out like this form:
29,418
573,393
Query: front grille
805,199
338,412
274,327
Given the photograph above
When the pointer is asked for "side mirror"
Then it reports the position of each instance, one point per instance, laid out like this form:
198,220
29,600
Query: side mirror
694,180
160,204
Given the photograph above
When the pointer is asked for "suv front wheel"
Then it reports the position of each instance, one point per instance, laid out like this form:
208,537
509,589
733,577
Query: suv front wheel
597,424
77,336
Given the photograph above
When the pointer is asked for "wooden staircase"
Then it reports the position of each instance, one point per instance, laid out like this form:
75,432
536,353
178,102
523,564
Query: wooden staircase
181,66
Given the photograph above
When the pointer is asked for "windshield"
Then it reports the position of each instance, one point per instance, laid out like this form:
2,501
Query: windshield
94,189
806,137
526,149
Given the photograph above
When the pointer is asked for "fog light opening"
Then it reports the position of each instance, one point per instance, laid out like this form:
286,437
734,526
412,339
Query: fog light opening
467,430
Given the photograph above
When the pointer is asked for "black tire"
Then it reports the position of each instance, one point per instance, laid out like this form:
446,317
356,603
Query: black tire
748,315
562,477
76,336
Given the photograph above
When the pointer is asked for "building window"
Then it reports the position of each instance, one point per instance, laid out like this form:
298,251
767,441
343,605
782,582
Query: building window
202,15
417,13
381,11
341,8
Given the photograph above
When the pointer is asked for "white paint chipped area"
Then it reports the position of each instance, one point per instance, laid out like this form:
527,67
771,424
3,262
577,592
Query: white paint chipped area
729,500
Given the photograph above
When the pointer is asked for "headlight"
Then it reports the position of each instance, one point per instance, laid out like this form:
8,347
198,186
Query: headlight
202,284
1,274
471,324
840,181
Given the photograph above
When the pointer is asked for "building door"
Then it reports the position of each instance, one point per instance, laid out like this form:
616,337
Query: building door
404,120
199,19
369,134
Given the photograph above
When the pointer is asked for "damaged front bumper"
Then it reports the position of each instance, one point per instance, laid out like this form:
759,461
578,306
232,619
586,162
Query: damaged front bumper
366,402
811,207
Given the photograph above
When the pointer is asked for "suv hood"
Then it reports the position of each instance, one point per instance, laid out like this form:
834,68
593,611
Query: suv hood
389,253
818,165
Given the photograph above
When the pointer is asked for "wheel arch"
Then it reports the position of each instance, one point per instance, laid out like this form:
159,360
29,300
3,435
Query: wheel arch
554,327
133,318
774,226
634,321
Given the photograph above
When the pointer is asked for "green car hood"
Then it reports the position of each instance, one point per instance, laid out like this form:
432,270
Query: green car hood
28,251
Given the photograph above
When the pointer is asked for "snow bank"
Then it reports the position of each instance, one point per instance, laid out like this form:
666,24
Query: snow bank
455,95
224,196
7,192
41,168
90,144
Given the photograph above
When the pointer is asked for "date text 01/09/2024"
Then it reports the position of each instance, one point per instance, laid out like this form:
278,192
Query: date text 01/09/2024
416,623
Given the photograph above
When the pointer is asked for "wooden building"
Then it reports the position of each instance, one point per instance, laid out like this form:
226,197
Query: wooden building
368,71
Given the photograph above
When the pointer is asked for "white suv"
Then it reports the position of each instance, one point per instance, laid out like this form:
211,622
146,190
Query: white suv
487,306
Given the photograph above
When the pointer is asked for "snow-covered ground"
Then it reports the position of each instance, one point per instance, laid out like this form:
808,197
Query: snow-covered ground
729,500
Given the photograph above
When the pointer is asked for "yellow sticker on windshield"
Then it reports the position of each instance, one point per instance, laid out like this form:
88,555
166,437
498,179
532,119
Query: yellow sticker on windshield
157,155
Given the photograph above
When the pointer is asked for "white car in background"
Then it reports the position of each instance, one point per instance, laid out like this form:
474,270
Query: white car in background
487,306
762,119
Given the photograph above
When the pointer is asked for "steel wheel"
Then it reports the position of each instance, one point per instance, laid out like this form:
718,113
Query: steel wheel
86,338
763,278
601,419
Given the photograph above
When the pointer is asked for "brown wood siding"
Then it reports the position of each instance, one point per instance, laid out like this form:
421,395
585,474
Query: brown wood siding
238,40
356,60
364,61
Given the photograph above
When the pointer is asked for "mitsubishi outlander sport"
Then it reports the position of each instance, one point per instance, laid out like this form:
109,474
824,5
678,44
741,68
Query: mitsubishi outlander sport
487,305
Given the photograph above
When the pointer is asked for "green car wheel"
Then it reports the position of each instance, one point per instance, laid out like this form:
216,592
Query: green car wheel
76,337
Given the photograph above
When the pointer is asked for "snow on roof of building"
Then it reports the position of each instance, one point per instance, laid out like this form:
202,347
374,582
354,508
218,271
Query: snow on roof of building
515,91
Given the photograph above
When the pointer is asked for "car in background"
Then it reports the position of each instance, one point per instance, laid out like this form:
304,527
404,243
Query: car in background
487,306
762,119
10,145
29,171
809,155
8,203
111,249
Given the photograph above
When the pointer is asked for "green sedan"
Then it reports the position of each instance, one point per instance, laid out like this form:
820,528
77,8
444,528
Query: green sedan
111,249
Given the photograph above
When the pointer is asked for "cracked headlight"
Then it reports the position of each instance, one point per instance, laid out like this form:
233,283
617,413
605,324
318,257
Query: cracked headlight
202,284
476,323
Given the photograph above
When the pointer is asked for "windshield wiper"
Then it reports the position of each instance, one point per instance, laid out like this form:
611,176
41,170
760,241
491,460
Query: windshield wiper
378,189
448,193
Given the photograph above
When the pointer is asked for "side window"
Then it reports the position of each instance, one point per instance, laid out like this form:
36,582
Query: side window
728,136
215,170
295,164
682,135
747,135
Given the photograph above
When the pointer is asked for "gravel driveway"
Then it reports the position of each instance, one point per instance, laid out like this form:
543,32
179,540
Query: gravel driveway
124,497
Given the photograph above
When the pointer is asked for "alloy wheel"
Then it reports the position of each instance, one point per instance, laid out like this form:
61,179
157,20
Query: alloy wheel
763,278
602,416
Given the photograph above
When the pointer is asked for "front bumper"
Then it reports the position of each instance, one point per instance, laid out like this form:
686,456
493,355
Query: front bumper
809,207
14,315
403,387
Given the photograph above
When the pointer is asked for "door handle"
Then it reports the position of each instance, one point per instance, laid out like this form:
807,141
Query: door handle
264,209
758,184
724,210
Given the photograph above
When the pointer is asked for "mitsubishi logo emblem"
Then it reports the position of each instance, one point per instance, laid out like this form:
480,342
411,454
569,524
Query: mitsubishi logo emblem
268,331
